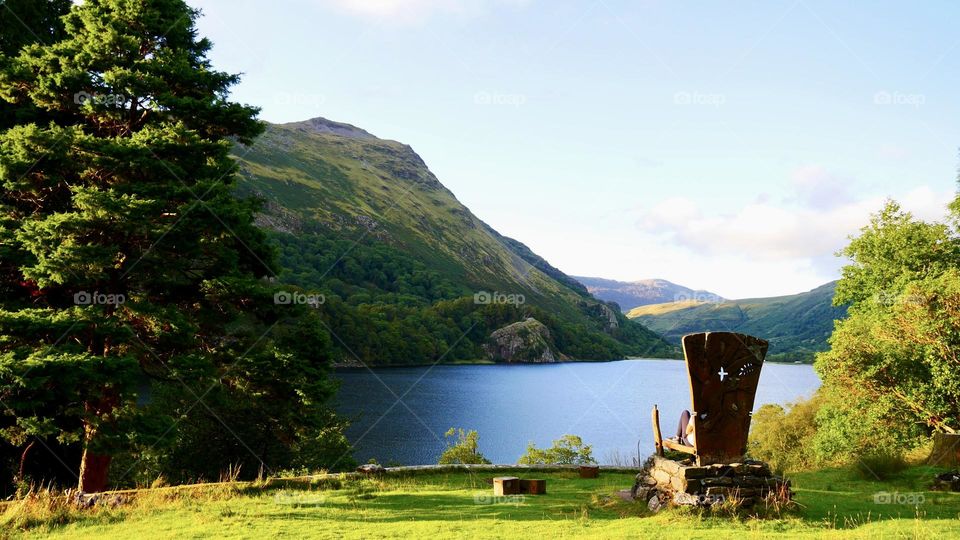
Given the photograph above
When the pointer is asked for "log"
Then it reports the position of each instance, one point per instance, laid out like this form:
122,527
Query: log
533,486
946,450
506,485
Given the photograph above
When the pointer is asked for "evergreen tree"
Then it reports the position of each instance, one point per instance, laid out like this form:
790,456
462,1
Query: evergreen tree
129,262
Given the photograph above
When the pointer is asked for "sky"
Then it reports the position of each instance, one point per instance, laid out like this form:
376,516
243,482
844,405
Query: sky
731,147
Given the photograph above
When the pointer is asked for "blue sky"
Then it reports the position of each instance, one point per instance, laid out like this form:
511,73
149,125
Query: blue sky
724,146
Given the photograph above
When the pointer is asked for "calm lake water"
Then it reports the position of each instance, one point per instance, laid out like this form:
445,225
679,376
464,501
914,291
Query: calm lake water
400,414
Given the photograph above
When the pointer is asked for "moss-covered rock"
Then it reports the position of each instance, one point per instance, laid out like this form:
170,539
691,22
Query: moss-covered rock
527,341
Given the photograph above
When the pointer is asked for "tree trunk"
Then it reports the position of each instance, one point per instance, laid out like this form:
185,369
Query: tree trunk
94,468
22,474
946,450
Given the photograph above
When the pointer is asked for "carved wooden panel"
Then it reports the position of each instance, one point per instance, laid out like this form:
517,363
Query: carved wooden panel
724,369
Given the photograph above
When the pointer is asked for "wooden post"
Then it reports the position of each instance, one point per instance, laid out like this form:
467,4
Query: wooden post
657,436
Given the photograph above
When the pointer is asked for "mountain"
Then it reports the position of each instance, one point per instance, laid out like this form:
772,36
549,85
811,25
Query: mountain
630,294
406,273
797,326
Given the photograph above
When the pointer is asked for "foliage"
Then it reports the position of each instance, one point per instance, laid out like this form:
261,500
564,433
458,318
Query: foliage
892,366
781,436
567,450
385,307
464,448
851,426
134,317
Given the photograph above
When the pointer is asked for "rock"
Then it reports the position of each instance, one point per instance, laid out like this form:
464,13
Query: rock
655,504
678,483
693,472
526,341
603,313
661,476
720,481
91,500
949,481
329,127
371,469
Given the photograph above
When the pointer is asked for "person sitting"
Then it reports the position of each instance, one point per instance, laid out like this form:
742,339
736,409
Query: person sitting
685,432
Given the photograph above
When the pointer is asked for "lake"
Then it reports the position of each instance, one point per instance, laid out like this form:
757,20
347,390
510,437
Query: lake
400,414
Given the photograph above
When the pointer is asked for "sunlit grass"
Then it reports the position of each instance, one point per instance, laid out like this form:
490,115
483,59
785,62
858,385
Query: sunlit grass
832,503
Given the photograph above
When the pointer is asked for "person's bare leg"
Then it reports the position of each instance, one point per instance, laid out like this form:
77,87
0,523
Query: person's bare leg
682,428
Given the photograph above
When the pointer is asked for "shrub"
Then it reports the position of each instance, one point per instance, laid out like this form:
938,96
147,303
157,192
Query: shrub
879,465
851,426
567,450
463,450
783,436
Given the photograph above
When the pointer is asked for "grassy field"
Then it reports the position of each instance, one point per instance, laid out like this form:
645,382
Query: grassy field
832,504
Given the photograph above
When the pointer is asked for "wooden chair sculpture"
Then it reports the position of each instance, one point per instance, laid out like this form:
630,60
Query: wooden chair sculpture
724,369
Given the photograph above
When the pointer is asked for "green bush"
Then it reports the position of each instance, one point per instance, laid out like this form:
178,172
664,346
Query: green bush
832,428
463,450
782,436
879,465
850,427
568,450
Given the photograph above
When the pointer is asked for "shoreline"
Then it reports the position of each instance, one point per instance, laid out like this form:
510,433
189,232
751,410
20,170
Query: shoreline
348,367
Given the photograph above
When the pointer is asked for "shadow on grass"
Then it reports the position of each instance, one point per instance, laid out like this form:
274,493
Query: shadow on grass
842,499
456,506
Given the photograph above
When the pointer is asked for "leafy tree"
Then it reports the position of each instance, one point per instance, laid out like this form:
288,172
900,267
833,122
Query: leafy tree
567,450
464,448
136,301
892,369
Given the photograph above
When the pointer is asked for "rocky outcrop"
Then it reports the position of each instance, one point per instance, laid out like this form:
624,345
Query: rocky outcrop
277,218
612,324
526,341
602,313
329,127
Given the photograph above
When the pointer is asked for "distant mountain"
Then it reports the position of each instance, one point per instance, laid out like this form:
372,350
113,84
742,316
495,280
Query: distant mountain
797,326
409,274
630,294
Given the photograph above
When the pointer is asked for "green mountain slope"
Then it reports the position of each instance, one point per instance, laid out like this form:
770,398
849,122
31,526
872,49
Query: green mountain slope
797,326
399,259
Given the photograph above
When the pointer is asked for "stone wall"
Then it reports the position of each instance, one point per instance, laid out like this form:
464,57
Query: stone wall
684,483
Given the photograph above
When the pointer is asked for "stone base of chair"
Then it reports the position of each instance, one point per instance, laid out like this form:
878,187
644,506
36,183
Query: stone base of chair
664,481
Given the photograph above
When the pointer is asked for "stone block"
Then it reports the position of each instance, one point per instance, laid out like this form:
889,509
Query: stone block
718,481
693,472
662,477
678,483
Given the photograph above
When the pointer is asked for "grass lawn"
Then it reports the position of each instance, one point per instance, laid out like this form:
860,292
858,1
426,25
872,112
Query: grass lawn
833,504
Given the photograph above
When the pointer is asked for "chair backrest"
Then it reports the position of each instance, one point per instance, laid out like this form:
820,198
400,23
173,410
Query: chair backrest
724,369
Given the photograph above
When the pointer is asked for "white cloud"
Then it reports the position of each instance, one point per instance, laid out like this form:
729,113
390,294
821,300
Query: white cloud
417,10
779,231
